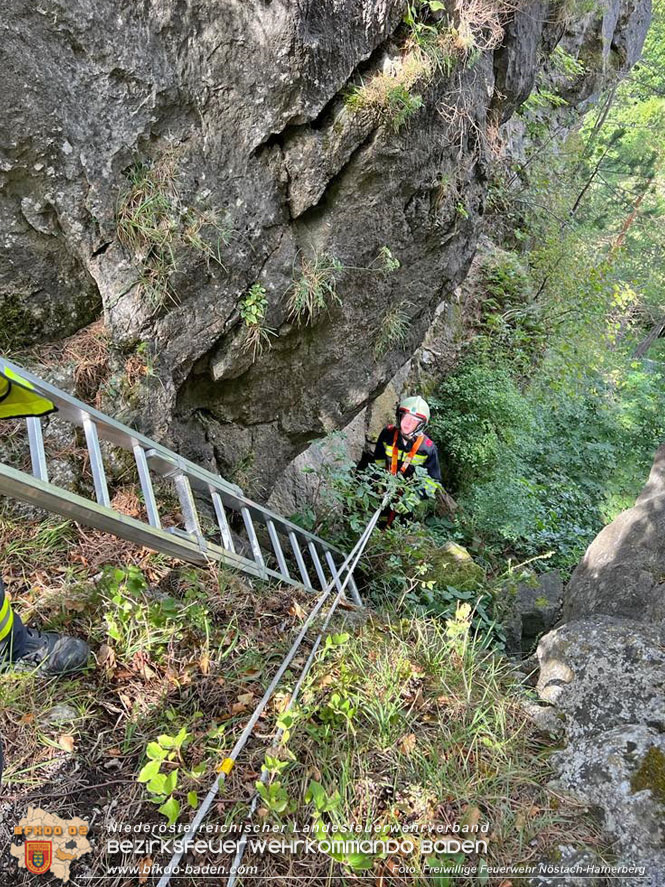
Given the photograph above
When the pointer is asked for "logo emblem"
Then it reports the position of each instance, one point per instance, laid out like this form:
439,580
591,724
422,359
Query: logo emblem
38,856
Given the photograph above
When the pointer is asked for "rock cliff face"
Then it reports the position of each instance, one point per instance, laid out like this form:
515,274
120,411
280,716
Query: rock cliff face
604,669
239,105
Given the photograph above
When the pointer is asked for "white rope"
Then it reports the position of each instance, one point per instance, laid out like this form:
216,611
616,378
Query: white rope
354,555
240,852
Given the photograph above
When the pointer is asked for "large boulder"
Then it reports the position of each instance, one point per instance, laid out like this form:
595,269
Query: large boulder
604,672
606,676
623,570
622,773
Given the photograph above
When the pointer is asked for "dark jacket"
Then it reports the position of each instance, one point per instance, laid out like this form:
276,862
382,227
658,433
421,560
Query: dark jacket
427,456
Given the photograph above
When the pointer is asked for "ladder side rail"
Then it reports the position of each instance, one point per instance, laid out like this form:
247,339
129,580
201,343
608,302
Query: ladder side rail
127,438
19,485
121,435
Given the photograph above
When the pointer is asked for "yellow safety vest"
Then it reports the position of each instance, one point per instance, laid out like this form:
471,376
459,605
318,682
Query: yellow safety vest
19,398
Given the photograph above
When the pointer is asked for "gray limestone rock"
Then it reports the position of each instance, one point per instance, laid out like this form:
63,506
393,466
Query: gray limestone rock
611,770
245,103
604,672
623,570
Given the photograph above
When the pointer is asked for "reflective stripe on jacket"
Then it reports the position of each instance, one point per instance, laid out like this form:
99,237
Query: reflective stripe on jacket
427,457
6,615
19,398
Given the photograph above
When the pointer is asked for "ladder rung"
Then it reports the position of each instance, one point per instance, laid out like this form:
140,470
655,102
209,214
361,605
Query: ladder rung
146,486
224,529
274,538
96,463
188,507
333,570
355,594
317,564
300,560
253,540
37,454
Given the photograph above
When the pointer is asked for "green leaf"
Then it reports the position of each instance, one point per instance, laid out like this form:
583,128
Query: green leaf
170,809
193,800
149,771
157,785
155,752
170,782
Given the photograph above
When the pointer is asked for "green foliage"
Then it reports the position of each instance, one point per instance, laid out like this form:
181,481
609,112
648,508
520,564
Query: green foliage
477,412
566,64
275,797
154,224
253,310
396,104
137,621
160,783
389,262
542,470
315,289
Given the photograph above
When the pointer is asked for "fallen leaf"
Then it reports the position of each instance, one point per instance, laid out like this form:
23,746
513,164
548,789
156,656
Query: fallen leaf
26,718
407,743
106,658
296,610
243,703
145,865
471,816
141,664
125,700
66,742
252,673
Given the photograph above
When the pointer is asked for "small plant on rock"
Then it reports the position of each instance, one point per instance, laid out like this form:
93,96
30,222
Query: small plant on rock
153,224
315,289
393,331
253,312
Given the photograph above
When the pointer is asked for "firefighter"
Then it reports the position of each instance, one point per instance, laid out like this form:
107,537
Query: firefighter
53,653
403,447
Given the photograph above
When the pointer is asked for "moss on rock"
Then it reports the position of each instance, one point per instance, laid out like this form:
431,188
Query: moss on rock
651,774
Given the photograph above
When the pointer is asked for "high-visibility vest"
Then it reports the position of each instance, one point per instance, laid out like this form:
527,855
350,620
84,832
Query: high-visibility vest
19,398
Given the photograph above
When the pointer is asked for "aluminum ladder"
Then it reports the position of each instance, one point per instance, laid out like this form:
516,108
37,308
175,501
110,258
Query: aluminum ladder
209,505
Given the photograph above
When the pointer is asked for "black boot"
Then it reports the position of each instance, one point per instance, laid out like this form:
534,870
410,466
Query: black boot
55,653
